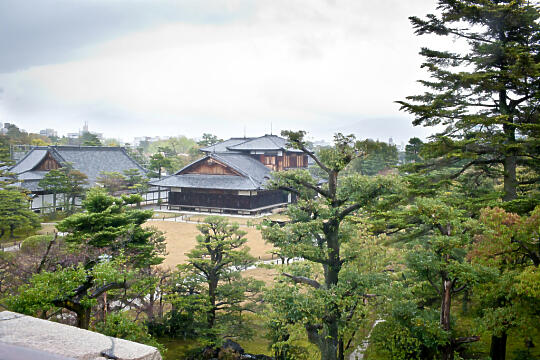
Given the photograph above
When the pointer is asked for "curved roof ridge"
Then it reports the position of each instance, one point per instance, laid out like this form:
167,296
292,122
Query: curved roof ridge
241,171
35,161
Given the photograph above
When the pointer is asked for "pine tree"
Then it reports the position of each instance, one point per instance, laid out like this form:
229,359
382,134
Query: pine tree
217,261
487,97
319,232
15,214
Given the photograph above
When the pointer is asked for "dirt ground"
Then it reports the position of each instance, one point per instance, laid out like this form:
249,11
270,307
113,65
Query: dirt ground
266,275
181,239
46,229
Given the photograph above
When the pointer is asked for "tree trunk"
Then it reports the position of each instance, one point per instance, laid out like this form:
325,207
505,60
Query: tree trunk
11,231
83,318
54,202
445,305
497,350
510,179
211,315
447,350
510,160
330,341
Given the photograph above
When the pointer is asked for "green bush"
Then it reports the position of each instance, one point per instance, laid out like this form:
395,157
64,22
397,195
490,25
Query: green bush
35,243
396,341
121,326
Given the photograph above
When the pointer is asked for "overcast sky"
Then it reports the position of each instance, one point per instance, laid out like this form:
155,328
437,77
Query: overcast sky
147,68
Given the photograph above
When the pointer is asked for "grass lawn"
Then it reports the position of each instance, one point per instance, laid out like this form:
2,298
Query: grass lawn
46,229
242,220
176,348
165,215
21,235
181,239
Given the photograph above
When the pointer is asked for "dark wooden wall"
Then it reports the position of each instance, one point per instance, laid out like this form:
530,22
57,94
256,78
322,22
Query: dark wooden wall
287,161
209,167
226,199
48,163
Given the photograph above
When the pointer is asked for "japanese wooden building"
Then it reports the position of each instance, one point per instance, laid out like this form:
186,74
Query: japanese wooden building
90,160
231,177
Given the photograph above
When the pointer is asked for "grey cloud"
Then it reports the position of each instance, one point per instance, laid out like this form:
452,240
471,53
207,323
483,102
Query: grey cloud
45,32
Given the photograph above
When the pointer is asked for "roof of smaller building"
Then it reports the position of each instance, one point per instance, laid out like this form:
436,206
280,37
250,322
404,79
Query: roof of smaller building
222,146
245,165
266,142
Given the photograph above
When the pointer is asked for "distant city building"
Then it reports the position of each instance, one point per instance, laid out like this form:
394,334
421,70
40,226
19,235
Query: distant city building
139,139
48,132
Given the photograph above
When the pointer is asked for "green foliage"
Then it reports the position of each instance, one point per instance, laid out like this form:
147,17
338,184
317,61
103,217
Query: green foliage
35,242
89,139
15,214
112,181
413,150
38,296
486,97
508,244
324,294
158,161
211,285
67,181
380,156
119,325
396,341
110,224
208,140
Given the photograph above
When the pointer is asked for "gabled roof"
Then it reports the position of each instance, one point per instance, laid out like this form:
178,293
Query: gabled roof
266,142
222,146
90,160
253,174
261,143
30,160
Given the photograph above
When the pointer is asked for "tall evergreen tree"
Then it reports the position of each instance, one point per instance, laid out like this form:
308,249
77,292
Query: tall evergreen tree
319,233
488,96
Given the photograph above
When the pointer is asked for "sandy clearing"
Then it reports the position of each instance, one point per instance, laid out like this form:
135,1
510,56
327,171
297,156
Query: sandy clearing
264,274
181,239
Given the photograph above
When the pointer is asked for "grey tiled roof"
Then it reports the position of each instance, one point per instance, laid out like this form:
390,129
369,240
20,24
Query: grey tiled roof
253,174
32,175
245,164
222,146
199,181
266,142
90,160
30,160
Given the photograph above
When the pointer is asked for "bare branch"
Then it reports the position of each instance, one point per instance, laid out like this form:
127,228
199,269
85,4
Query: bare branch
303,280
466,339
114,285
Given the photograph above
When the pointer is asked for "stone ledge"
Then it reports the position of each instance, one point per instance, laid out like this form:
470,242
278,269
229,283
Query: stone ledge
68,341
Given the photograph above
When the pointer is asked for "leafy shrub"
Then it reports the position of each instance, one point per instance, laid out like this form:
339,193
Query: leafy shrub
395,341
35,243
121,326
